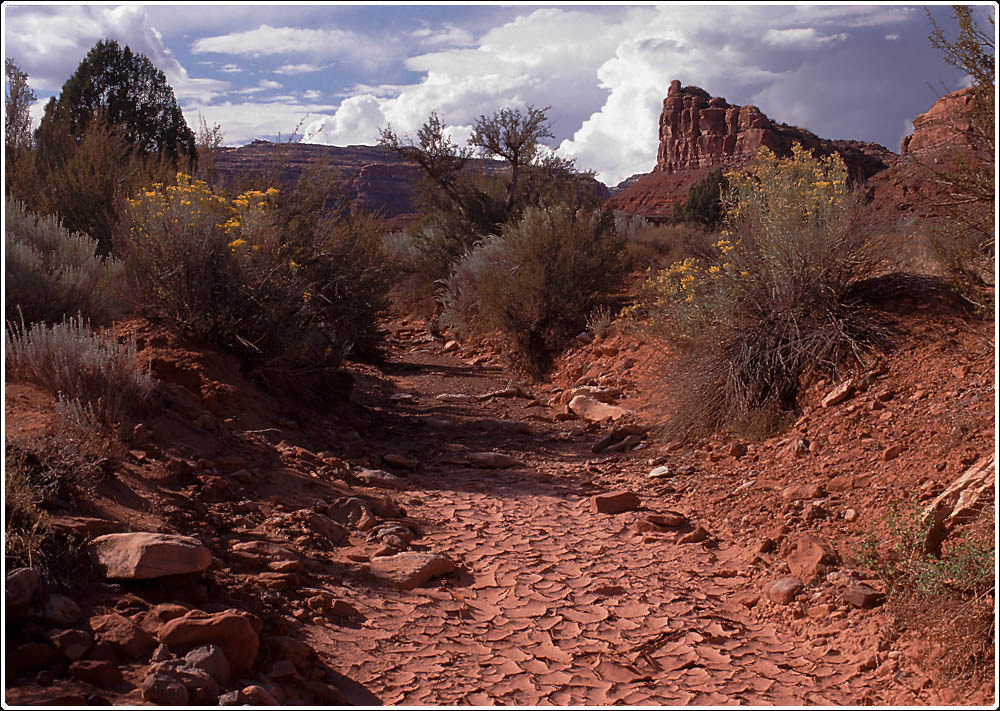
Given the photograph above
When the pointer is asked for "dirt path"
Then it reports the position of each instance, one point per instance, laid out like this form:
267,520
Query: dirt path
557,604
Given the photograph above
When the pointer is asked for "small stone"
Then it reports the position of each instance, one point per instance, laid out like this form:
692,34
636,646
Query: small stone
784,590
850,515
737,450
450,347
615,502
798,446
814,512
803,491
698,535
99,673
660,472
594,410
839,394
892,452
863,596
164,690
258,696
667,519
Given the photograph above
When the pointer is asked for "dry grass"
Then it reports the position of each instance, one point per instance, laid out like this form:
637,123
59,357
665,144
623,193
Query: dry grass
80,364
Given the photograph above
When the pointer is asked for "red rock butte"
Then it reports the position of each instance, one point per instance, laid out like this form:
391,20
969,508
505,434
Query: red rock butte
699,132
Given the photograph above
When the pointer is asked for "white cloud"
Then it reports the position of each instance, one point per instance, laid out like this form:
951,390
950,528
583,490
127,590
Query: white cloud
311,94
801,38
448,36
297,68
267,41
51,41
243,121
892,37
230,68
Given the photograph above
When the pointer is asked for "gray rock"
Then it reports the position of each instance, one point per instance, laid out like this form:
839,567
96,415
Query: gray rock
784,590
212,660
60,611
164,690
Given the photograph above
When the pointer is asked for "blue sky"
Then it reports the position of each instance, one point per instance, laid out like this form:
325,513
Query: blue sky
339,73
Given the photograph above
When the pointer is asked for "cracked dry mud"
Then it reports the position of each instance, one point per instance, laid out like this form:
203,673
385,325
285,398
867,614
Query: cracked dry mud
557,604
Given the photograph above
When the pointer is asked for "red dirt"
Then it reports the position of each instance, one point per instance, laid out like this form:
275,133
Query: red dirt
553,603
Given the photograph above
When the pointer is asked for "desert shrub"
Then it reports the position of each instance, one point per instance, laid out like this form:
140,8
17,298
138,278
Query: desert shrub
51,272
78,363
286,295
558,264
601,321
460,297
85,180
652,245
703,205
947,599
775,301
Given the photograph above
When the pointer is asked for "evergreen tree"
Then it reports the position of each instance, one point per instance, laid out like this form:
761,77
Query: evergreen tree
125,91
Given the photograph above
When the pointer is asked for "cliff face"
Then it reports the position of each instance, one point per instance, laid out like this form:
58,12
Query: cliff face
367,178
699,133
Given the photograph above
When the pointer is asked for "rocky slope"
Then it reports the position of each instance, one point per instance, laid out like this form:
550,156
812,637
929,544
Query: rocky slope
699,132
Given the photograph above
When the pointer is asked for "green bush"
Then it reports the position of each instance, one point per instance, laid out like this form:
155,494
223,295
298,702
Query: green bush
289,295
460,315
776,299
77,363
51,273
704,201
555,266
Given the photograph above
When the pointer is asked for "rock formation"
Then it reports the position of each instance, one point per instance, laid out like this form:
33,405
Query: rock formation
699,133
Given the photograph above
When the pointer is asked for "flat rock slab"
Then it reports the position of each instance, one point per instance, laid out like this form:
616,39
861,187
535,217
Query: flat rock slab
614,502
381,479
141,556
594,410
410,569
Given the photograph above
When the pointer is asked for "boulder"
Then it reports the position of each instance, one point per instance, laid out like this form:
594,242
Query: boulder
72,643
230,630
410,569
126,637
99,673
20,586
59,610
140,556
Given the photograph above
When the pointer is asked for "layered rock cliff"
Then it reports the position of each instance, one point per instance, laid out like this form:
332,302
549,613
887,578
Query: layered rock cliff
699,132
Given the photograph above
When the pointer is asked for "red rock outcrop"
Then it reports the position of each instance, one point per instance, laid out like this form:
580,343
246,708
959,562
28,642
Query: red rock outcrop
699,133
939,138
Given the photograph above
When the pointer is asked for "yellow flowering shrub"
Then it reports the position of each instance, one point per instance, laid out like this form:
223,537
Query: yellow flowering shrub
239,272
774,299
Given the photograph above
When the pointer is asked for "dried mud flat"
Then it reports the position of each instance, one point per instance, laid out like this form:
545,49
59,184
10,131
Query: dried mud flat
550,602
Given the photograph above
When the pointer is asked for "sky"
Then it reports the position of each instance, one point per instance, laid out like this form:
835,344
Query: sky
336,74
